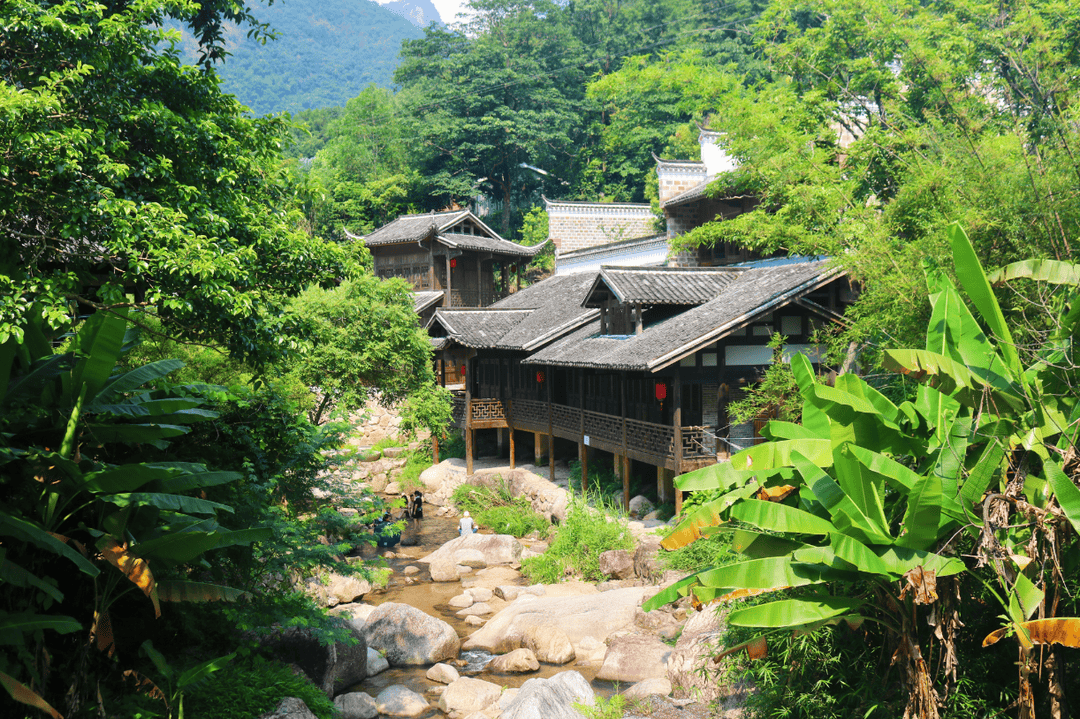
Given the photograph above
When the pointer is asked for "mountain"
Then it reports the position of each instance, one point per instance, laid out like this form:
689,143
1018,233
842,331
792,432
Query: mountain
420,13
327,51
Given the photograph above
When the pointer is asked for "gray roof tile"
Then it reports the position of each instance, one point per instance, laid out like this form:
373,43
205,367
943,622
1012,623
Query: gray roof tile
478,327
496,245
422,299
754,292
663,285
410,228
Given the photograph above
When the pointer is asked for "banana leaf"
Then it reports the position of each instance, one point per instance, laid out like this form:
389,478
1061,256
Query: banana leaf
182,590
1053,271
97,344
13,574
136,378
780,518
169,502
14,626
1066,493
24,695
27,531
765,573
846,514
788,613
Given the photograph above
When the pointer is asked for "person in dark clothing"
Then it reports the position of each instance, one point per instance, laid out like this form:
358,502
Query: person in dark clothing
416,505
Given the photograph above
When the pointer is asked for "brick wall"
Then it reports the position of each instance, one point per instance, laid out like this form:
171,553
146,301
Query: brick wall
581,225
676,178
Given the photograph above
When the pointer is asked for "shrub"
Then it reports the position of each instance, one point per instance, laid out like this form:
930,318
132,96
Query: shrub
498,510
705,552
580,540
253,688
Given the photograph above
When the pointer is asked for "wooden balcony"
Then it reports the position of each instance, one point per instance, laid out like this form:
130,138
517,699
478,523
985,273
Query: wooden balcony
644,441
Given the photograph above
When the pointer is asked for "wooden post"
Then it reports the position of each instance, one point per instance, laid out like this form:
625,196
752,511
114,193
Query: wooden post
583,449
551,429
510,421
625,457
479,282
500,440
449,283
434,449
468,417
505,279
661,487
676,392
538,447
518,263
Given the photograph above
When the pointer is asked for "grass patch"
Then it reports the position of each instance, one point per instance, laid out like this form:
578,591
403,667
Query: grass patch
705,552
604,482
579,542
498,510
254,687
384,443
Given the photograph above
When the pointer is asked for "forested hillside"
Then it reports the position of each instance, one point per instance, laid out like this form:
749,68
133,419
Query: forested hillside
326,52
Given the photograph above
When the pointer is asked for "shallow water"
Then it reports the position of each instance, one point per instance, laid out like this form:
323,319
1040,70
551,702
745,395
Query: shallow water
432,598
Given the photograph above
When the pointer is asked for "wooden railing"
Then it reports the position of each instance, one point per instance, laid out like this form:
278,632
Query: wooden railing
650,438
697,443
488,413
530,413
567,419
604,426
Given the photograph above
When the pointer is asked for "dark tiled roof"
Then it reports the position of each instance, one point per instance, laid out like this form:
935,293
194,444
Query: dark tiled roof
478,327
609,246
496,245
526,319
664,285
425,298
410,228
754,292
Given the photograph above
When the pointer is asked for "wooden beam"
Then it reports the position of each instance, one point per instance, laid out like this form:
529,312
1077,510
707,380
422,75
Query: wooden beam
677,421
551,434
449,284
626,482
468,416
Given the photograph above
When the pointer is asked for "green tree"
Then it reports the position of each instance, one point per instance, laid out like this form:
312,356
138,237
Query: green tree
132,180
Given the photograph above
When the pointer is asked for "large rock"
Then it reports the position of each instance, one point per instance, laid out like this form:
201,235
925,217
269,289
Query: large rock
399,701
495,548
640,506
436,476
443,673
693,652
469,695
597,615
355,705
646,561
407,635
648,687
617,563
634,658
344,590
331,667
472,558
443,569
376,663
549,643
552,698
518,661
544,497
290,708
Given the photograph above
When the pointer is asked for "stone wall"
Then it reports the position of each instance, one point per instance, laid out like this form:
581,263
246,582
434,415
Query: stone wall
580,225
676,177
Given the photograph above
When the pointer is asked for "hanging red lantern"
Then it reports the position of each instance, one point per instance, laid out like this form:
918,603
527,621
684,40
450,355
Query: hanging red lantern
462,370
453,263
540,377
661,391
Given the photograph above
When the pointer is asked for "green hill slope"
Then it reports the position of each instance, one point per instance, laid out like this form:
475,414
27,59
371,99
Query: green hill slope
327,52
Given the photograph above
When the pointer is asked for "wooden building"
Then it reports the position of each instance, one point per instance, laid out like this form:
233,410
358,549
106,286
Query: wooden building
451,259
640,363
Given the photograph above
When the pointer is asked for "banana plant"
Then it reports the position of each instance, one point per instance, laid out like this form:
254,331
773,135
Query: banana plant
116,526
885,496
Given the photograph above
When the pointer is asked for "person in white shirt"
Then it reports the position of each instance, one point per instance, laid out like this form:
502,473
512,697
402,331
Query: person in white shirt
466,525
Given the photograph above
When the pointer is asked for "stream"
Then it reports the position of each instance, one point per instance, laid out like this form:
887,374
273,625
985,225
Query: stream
432,597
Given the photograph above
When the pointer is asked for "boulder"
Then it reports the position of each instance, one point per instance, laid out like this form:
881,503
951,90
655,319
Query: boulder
355,614
344,590
443,569
290,708
518,661
407,635
472,558
697,644
468,695
474,621
660,686
331,667
496,548
399,701
376,663
552,698
549,643
590,650
477,609
617,563
393,489
640,506
634,658
507,591
597,615
646,562
480,594
411,569
443,673
378,482
461,601
355,705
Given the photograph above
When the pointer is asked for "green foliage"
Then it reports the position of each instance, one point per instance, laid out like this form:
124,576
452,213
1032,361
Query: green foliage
604,484
497,509
324,53
364,335
129,166
611,708
887,494
706,552
88,515
534,230
254,687
578,543
773,395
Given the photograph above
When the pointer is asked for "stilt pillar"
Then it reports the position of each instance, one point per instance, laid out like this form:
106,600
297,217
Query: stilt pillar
538,448
622,466
513,449
583,457
499,440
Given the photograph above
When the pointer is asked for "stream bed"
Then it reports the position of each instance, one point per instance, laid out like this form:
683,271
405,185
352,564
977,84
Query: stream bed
417,590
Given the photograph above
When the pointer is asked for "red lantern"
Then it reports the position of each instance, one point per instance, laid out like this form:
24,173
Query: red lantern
453,263
661,391
540,377
462,370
